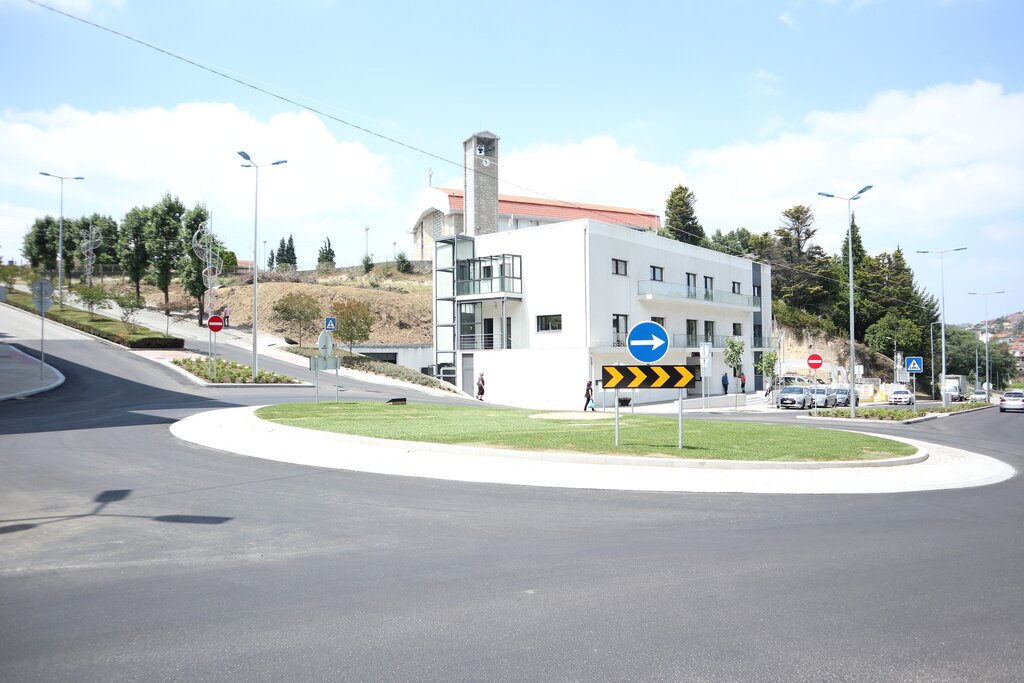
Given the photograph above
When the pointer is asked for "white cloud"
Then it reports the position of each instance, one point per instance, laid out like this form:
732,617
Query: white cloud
788,20
328,188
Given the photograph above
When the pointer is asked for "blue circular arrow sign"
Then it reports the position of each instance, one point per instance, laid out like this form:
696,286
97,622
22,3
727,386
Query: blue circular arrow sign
647,342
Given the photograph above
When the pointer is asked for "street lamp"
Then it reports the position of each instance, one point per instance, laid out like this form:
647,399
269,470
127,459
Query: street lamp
849,239
942,318
367,252
931,339
255,255
60,234
988,384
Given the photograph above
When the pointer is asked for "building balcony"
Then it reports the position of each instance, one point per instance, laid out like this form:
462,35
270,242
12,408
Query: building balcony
490,286
656,289
693,341
765,343
484,342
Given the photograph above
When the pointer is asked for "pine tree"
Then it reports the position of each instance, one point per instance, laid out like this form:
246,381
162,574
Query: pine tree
270,260
290,252
680,218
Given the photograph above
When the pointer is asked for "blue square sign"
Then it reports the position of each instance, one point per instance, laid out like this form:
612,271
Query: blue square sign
914,364
331,324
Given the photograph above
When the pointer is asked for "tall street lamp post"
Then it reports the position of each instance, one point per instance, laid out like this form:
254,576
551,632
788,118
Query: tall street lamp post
60,234
942,319
255,255
931,339
849,239
988,384
367,252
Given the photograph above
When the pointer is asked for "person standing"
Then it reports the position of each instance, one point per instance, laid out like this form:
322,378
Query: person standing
743,382
725,382
588,396
480,388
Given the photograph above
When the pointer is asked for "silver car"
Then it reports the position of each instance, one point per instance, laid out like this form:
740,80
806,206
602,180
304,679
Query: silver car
795,396
843,396
824,397
901,396
1012,400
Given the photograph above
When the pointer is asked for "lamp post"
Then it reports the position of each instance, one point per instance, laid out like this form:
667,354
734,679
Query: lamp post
942,318
265,264
988,384
255,255
60,234
931,339
849,239
367,252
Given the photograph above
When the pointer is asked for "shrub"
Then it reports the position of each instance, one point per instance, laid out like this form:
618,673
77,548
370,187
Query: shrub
93,297
402,263
130,305
367,263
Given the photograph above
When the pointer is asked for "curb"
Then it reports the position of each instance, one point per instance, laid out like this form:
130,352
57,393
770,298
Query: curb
58,380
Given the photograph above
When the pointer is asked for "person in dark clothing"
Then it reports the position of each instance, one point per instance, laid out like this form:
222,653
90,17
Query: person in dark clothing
588,397
480,388
725,382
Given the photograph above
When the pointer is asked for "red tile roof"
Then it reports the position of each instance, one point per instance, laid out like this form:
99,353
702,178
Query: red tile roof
526,207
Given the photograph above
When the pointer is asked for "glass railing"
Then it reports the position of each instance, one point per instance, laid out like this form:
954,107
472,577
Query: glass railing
680,291
693,341
490,285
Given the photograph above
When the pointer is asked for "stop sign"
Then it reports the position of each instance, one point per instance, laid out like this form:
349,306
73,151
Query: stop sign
216,323
813,361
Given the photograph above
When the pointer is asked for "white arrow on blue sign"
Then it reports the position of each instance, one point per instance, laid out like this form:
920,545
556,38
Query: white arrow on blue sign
331,324
647,342
914,363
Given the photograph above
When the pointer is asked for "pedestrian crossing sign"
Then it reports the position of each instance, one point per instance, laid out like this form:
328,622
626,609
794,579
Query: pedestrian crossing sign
331,324
914,363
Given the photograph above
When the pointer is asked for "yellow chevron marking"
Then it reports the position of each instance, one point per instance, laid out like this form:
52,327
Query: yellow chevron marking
684,376
616,377
639,374
662,376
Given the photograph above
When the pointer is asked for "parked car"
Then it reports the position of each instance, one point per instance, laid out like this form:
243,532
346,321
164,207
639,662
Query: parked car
824,397
1012,400
796,396
901,396
978,397
843,397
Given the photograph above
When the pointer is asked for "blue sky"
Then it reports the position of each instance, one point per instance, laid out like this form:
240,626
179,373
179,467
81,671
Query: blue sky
756,106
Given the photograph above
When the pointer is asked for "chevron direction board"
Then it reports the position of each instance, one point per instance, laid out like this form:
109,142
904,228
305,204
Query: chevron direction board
645,376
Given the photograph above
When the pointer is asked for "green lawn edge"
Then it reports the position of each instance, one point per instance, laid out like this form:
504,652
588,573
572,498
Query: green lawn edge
653,436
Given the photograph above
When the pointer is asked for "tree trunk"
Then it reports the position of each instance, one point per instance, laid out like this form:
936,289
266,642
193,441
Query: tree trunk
202,310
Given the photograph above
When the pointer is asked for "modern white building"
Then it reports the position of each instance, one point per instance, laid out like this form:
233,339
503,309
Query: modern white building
540,309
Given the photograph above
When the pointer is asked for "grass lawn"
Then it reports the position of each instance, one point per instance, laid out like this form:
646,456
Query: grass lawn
646,435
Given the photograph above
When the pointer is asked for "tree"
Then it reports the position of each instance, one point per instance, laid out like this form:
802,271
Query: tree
270,260
879,337
367,263
131,245
300,310
680,218
326,254
803,276
40,244
355,321
769,359
93,297
736,242
103,227
230,261
130,304
163,241
290,253
402,263
282,253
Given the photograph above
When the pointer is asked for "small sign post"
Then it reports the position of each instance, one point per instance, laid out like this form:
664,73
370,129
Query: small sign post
41,292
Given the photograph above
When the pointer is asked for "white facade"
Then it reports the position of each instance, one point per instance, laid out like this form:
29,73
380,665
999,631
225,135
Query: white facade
540,310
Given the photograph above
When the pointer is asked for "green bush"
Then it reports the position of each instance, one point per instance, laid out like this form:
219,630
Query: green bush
230,372
402,263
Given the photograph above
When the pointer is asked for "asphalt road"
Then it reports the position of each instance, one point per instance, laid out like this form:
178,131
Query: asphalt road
128,555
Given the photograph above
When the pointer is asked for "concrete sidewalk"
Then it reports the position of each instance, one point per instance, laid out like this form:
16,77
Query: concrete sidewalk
22,375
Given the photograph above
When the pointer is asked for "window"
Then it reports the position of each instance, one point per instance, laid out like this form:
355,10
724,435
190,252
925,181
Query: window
618,266
735,288
549,323
620,328
757,290
659,320
691,279
657,273
709,330
709,283
737,329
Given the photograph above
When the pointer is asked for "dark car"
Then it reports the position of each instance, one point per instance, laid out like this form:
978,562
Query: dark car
843,397
795,396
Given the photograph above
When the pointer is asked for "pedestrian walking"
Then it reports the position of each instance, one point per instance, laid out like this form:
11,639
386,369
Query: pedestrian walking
480,387
589,396
227,316
743,382
725,382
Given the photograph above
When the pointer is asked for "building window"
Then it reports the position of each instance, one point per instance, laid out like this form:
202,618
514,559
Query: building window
549,323
735,288
737,329
691,333
709,283
657,273
618,266
709,330
620,328
657,319
691,279
757,290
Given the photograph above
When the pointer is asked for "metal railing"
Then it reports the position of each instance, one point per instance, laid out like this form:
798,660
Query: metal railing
680,291
468,342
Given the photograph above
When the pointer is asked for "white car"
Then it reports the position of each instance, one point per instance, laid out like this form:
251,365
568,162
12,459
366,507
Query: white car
901,396
1012,400
978,397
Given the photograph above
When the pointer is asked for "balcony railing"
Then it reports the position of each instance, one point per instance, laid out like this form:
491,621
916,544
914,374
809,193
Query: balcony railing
678,291
693,341
468,342
765,342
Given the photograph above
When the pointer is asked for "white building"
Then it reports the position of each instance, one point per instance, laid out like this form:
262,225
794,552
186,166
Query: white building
540,309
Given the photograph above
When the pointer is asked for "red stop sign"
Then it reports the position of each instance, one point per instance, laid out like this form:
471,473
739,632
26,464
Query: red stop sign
216,324
813,361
